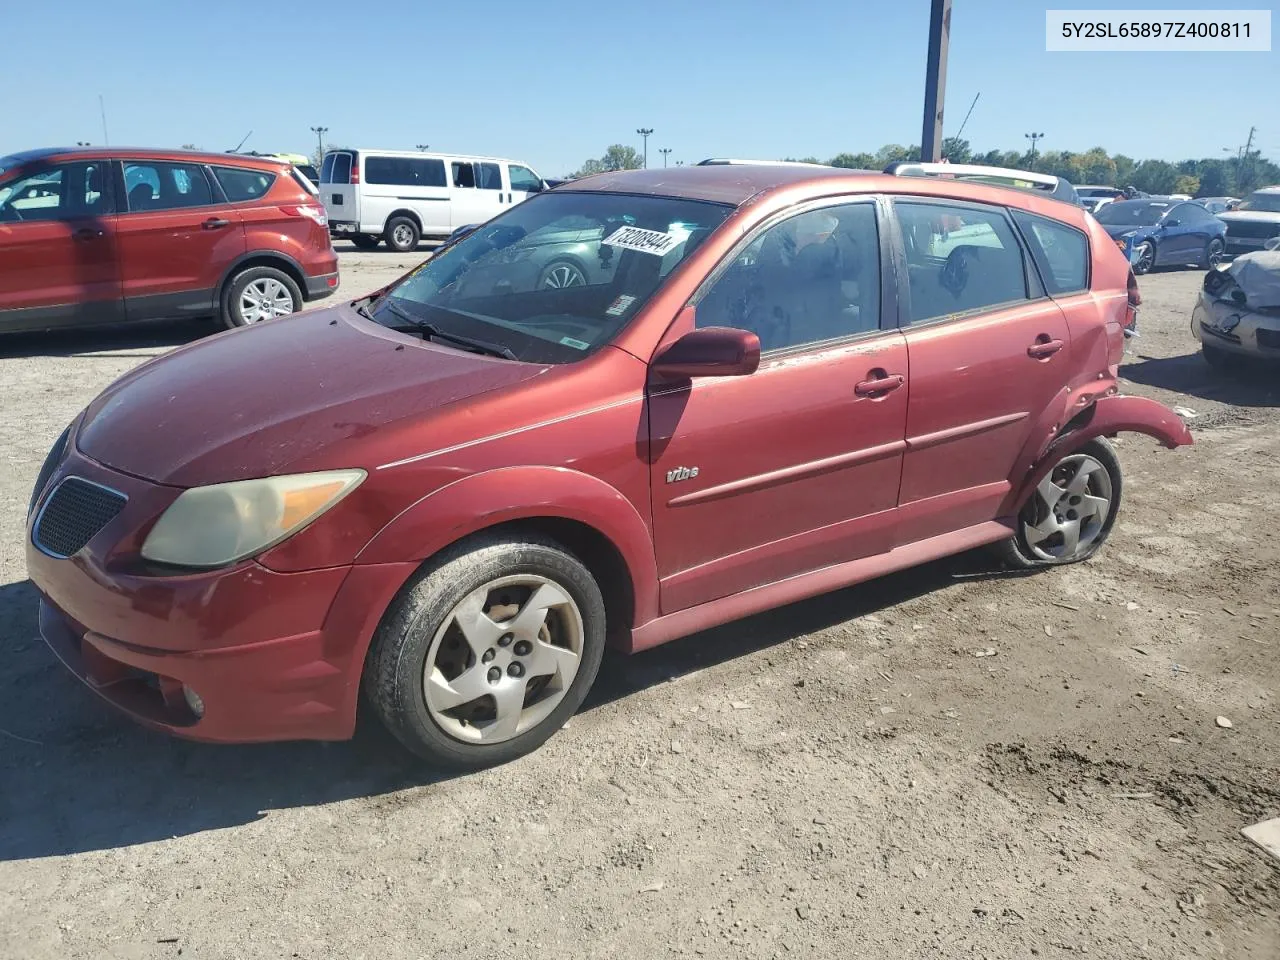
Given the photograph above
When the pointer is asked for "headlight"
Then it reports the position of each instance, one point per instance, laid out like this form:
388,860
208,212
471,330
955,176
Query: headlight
219,524
56,453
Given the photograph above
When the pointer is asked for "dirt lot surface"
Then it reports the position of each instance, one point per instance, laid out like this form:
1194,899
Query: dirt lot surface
840,778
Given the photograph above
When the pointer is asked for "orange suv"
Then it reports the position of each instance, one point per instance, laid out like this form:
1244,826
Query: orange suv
98,236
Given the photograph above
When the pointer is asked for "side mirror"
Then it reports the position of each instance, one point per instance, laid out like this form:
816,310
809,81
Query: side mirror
710,352
1172,223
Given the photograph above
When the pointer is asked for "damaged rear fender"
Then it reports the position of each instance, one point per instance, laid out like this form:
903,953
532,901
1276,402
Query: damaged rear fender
1106,417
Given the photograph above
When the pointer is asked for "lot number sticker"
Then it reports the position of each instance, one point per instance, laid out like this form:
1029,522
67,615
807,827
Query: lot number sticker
645,241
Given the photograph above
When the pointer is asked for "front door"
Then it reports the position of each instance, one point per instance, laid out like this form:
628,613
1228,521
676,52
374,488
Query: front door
755,479
58,257
523,183
177,239
987,358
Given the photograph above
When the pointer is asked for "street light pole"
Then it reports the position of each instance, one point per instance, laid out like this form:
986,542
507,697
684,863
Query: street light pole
320,132
423,147
1034,138
665,151
644,132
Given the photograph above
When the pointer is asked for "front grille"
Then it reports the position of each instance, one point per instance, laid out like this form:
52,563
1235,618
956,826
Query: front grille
1229,337
1269,338
73,515
1252,229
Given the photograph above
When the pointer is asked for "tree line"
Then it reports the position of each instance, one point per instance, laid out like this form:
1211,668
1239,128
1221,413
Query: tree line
1209,177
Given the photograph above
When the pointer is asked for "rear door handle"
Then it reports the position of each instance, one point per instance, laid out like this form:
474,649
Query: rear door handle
1044,348
880,383
215,223
87,233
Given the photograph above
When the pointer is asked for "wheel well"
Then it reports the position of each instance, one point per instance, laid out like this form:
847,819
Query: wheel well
598,554
264,260
407,214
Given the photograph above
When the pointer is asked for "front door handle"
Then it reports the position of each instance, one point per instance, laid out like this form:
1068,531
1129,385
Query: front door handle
87,233
1044,348
215,223
878,384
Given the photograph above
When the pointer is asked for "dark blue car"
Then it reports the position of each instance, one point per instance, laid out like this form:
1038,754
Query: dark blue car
1158,233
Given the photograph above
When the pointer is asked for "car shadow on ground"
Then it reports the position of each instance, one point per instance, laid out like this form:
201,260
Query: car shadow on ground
145,338
1250,384
77,777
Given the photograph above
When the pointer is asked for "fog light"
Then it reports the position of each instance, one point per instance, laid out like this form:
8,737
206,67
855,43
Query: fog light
193,701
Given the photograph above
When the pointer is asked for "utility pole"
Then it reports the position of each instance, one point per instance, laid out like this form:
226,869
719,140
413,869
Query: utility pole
320,132
665,151
423,147
1034,138
935,81
644,132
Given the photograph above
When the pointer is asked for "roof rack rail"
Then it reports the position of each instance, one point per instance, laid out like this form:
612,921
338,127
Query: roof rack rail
1055,187
727,161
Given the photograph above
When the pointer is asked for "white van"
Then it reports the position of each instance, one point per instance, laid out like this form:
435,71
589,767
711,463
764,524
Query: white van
403,196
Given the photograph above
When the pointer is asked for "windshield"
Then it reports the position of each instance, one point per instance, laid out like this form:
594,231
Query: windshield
1262,202
554,278
1131,213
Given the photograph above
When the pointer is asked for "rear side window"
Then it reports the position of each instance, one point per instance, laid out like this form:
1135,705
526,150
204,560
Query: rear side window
959,259
464,174
240,185
1061,253
153,185
404,171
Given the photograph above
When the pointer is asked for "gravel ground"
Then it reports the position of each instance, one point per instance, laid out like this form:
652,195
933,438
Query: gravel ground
839,778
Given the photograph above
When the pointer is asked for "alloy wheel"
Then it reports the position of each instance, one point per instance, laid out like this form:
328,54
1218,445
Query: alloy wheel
265,299
1146,258
402,235
1215,255
563,275
1069,511
503,659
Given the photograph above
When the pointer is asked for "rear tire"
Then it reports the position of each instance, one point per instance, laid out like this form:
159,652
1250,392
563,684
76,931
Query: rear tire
258,294
364,241
402,234
1077,485
487,651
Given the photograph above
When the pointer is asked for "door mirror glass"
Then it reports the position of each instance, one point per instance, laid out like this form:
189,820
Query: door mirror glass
709,352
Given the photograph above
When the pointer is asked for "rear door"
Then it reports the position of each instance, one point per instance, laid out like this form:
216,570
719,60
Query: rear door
178,237
989,351
341,198
58,249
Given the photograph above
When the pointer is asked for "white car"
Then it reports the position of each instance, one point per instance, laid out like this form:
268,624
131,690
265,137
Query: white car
403,196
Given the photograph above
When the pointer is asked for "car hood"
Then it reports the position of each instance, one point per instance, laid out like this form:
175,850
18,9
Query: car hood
1247,216
276,398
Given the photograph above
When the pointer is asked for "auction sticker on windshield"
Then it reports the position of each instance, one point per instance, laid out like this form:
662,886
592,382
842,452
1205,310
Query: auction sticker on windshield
644,241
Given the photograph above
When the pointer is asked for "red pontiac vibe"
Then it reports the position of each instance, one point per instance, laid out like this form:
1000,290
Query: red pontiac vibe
757,384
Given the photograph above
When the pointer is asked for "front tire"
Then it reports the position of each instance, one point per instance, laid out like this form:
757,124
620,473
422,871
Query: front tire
1146,260
258,294
1071,512
1214,251
402,234
487,651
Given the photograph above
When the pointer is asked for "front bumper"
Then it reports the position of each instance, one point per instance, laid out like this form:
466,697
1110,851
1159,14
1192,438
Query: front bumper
273,656
322,286
1232,329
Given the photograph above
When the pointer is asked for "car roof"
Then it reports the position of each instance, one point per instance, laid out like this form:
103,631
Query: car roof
429,154
142,153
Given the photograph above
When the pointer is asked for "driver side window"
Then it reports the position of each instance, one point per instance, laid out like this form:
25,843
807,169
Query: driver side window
57,193
811,278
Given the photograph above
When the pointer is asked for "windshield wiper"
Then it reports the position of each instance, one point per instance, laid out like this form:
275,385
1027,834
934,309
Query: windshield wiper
432,332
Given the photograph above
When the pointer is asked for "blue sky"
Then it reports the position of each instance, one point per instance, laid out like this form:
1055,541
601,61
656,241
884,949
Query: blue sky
555,83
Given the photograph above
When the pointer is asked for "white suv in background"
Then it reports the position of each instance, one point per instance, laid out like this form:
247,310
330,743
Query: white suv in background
403,196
